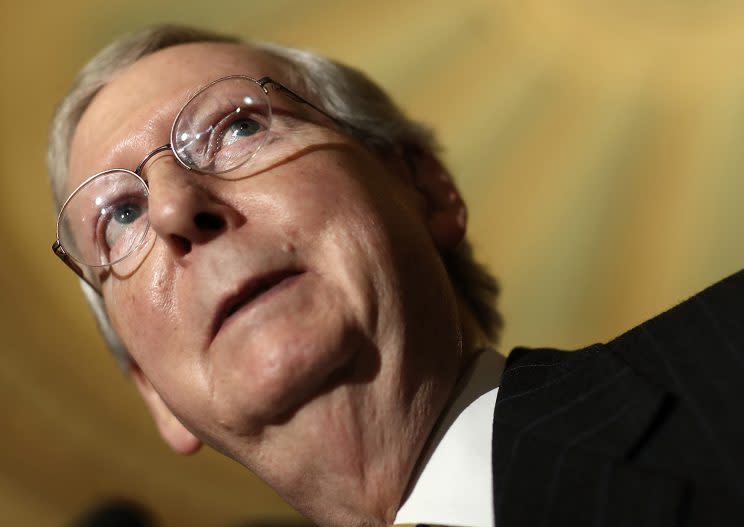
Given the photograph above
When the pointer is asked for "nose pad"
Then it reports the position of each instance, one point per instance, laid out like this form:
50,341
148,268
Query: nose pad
182,212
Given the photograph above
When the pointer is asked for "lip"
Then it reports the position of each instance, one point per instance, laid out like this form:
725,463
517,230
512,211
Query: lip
248,294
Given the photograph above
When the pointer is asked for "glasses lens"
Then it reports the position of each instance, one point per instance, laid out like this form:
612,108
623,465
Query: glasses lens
105,219
222,126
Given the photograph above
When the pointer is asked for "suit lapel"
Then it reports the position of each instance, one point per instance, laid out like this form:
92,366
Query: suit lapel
696,351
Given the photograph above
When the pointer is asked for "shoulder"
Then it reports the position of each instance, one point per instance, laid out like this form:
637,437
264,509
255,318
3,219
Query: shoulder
704,335
700,336
664,397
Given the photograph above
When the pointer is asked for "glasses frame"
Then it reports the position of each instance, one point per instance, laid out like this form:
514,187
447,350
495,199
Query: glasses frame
264,83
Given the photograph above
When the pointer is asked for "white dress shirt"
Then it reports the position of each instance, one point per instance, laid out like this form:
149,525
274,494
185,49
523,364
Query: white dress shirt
453,483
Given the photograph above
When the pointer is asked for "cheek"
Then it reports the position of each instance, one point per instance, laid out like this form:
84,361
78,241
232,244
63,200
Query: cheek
351,247
334,204
143,310
144,318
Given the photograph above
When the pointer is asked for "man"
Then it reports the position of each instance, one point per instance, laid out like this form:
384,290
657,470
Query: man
277,256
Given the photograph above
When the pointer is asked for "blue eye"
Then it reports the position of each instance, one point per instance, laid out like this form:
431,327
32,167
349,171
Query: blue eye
126,214
240,128
122,226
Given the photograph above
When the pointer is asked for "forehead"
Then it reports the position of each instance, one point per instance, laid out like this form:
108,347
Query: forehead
132,113
183,65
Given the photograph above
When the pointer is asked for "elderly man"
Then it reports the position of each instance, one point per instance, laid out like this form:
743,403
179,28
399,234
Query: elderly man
278,258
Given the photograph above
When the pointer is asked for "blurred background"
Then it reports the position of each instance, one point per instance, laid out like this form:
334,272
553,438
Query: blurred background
598,142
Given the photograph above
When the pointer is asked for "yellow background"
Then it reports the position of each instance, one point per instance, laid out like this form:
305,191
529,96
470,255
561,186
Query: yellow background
598,142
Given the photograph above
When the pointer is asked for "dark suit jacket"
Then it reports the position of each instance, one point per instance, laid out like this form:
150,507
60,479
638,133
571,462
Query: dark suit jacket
645,430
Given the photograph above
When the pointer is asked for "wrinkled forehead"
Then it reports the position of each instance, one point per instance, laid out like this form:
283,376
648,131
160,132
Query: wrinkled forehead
132,113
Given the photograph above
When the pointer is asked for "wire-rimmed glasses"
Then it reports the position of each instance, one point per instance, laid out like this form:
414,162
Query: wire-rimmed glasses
222,127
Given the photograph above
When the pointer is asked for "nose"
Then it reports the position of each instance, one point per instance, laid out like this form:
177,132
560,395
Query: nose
182,212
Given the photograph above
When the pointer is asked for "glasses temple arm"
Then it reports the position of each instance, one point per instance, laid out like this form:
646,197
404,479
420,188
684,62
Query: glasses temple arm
263,81
58,250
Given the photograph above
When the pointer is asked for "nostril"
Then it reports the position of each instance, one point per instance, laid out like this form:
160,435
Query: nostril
209,222
182,244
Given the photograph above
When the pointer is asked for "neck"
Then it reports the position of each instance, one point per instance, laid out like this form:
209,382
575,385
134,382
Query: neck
399,442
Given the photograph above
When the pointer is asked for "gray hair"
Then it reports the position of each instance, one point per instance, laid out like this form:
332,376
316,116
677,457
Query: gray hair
348,95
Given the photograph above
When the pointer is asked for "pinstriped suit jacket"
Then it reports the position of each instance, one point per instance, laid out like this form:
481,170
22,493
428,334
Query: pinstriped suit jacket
645,430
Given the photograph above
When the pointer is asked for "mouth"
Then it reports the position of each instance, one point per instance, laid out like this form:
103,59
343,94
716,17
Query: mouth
249,294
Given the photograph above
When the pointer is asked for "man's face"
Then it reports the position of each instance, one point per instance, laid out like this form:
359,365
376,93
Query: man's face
305,328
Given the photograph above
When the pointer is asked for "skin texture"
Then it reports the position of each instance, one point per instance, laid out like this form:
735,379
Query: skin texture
328,386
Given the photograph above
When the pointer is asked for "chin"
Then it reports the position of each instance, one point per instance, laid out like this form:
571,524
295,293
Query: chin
267,372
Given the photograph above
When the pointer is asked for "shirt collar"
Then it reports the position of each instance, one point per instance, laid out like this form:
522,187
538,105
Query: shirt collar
453,483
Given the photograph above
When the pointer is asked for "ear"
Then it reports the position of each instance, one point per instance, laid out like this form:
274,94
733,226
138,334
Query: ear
177,436
447,213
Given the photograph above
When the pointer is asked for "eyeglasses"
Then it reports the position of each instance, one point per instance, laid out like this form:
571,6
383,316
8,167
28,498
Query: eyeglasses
224,126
